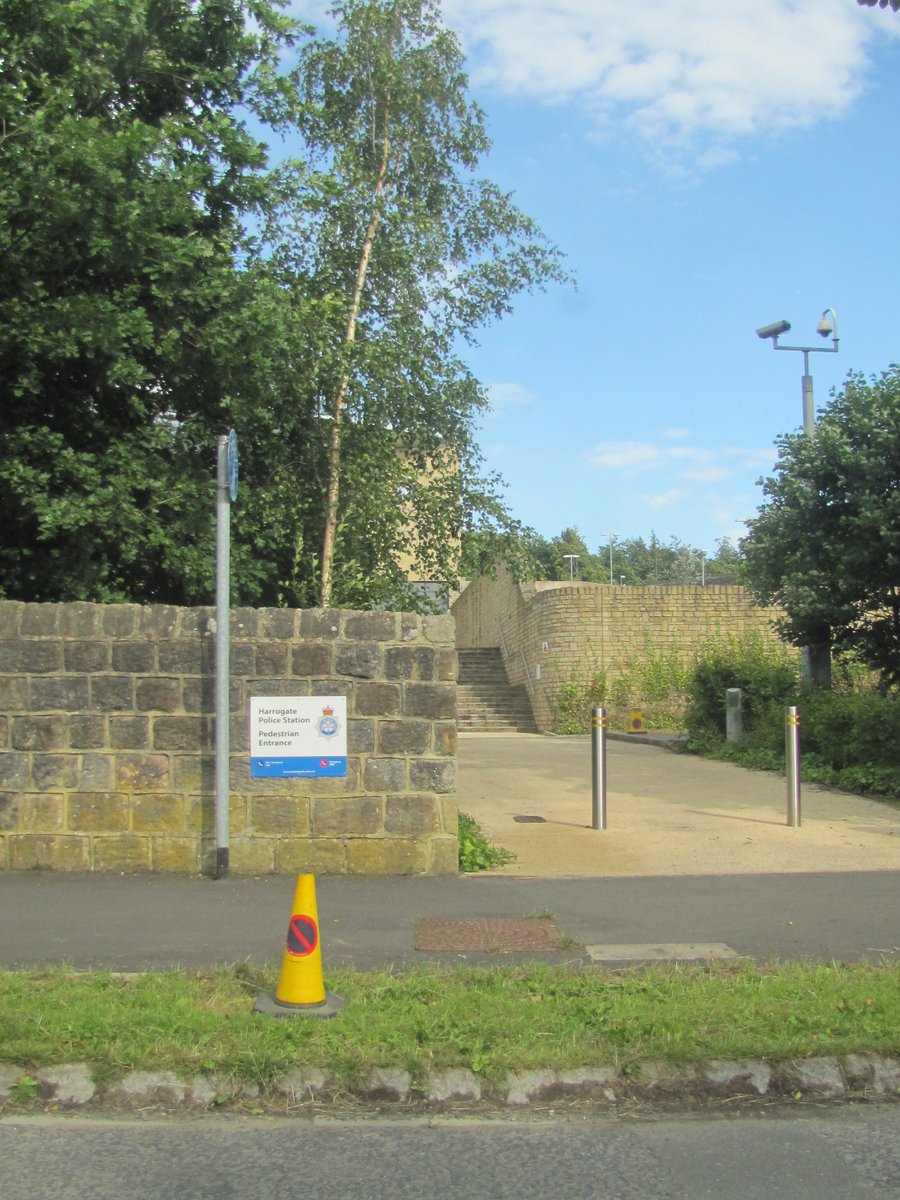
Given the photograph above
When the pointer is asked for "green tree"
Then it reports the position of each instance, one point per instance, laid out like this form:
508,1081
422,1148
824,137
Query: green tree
126,174
162,283
416,253
728,560
826,544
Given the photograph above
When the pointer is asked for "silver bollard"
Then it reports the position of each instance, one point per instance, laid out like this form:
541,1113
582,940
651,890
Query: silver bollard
792,764
598,767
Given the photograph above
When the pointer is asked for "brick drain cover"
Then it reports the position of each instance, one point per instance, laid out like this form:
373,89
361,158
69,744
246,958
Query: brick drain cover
496,934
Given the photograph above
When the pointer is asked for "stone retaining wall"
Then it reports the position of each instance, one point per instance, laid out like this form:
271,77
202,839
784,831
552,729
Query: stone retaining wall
553,633
107,740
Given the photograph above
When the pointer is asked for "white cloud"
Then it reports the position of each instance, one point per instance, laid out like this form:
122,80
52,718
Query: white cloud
638,456
675,432
706,474
508,395
664,499
696,72
624,454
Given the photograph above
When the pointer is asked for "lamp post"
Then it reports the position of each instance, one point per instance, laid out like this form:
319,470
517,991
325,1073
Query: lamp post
612,538
573,559
827,327
815,660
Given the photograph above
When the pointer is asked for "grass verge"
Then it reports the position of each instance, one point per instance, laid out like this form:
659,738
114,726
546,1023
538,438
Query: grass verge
491,1020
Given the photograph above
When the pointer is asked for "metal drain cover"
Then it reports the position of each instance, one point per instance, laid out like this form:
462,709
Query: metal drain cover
497,934
525,820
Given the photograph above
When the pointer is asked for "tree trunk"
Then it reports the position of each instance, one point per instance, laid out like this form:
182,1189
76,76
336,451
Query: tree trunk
334,450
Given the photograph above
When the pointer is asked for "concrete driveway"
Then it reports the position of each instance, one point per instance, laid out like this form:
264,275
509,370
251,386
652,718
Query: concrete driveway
667,814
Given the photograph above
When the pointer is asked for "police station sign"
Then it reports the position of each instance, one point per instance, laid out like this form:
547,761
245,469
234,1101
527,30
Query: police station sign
300,737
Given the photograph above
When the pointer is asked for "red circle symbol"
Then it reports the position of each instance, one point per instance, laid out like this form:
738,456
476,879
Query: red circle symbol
302,936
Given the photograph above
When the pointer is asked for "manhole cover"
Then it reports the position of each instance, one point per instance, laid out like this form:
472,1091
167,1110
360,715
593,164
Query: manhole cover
499,934
525,820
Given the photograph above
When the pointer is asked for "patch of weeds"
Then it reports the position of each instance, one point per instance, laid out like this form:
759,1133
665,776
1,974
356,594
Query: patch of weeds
476,853
25,1092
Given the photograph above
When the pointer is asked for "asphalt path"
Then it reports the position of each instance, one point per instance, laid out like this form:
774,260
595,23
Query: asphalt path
136,922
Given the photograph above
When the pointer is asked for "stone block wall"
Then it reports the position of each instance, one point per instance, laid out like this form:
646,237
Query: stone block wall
553,633
107,740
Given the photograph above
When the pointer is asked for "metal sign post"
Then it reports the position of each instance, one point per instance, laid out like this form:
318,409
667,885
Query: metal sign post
226,492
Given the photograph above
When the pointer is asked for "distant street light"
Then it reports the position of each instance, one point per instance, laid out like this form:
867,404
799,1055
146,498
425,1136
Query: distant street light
612,538
573,559
815,660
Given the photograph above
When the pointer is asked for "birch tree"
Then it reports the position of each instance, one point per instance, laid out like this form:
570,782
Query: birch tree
395,225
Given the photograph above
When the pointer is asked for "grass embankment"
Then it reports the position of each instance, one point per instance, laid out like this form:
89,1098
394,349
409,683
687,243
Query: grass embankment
491,1020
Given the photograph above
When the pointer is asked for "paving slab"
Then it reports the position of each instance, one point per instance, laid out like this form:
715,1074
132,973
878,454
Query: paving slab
667,813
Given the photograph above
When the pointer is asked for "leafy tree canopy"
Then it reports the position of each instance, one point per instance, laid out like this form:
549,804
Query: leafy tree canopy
826,544
632,561
162,283
125,176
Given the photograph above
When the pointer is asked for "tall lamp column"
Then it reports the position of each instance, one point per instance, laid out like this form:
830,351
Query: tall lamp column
815,660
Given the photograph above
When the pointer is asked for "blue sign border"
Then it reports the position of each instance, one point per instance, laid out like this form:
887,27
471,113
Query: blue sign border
313,767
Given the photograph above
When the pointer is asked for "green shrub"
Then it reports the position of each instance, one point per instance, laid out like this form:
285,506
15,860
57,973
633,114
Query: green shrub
656,683
766,672
574,702
851,730
848,738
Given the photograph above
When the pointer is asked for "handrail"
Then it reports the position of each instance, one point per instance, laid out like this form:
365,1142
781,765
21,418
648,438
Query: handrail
524,660
527,674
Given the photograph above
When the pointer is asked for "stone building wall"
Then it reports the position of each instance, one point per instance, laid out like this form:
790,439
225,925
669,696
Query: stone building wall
107,741
556,632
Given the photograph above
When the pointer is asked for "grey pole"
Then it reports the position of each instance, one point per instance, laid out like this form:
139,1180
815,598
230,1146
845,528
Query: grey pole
223,673
815,661
809,407
612,540
598,768
792,765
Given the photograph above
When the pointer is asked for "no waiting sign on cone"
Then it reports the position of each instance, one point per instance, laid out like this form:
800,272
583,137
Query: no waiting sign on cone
301,990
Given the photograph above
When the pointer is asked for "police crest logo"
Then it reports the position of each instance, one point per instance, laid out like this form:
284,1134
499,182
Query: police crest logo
329,725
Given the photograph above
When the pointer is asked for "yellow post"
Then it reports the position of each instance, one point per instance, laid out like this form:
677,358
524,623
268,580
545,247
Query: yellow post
301,989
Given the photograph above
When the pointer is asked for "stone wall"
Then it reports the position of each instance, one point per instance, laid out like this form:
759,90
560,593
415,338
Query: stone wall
552,633
107,741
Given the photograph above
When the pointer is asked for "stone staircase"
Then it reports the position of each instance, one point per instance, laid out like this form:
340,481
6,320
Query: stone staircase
485,700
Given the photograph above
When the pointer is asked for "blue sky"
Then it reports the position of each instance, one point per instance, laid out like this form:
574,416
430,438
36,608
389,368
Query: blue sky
708,167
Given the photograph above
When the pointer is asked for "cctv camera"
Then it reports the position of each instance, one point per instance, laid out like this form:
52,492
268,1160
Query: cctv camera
825,328
773,331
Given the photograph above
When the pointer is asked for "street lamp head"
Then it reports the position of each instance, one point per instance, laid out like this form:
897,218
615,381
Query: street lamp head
775,330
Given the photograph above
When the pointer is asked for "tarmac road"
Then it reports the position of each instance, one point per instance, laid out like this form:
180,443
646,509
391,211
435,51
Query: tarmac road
846,1154
136,922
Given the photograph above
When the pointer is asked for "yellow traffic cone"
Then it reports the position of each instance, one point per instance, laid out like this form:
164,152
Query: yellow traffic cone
301,990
